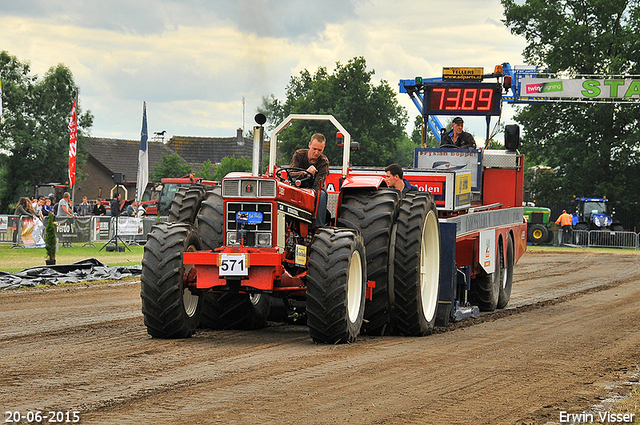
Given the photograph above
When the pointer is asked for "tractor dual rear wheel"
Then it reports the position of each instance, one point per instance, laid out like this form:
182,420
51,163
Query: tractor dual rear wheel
336,285
373,214
416,265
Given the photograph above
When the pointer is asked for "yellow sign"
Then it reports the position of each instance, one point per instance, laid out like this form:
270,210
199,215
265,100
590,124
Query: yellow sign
462,74
463,183
301,255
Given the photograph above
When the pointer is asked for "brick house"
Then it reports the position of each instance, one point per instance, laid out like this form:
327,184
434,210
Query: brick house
108,156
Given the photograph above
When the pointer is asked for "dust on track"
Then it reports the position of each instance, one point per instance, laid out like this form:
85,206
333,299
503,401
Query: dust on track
570,330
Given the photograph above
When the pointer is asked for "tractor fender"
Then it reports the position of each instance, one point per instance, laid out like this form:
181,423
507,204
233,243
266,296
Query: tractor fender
354,182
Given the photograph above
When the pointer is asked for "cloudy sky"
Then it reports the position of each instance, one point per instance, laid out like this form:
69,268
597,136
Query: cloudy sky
193,61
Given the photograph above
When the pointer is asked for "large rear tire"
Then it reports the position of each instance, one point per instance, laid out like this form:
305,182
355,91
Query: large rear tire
170,309
186,203
507,275
225,310
416,265
210,220
537,233
373,214
485,289
336,285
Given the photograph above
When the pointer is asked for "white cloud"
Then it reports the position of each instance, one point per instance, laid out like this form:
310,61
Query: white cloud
194,61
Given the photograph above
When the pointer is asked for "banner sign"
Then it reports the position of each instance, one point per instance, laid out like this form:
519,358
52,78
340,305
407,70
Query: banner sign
32,233
73,140
73,229
129,226
624,89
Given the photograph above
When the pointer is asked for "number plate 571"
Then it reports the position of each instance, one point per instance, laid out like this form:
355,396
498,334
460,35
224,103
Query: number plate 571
233,265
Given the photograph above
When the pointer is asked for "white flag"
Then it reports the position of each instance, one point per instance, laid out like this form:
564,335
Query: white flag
143,157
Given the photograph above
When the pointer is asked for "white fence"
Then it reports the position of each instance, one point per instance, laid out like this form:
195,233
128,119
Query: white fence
605,239
81,230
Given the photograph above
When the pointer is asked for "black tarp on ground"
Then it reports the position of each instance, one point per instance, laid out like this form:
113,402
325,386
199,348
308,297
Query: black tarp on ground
90,269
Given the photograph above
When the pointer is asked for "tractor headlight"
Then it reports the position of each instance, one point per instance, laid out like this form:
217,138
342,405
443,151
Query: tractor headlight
264,239
232,239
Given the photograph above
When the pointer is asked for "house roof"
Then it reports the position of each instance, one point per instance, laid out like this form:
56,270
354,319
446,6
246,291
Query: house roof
121,156
197,150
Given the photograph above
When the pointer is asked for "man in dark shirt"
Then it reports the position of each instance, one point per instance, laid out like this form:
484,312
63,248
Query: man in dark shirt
98,208
317,164
396,180
115,206
457,136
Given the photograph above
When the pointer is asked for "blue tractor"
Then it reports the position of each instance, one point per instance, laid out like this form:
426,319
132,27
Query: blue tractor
594,214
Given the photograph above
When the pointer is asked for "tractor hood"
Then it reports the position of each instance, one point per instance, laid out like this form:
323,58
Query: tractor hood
601,220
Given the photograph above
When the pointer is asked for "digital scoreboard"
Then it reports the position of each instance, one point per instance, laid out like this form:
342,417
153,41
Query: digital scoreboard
462,99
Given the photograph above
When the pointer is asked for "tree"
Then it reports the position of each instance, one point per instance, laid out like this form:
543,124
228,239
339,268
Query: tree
231,164
593,149
172,166
371,114
34,133
205,171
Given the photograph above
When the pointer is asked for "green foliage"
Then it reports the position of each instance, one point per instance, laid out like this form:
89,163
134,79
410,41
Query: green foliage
50,238
229,165
419,130
370,113
34,133
591,149
205,171
171,166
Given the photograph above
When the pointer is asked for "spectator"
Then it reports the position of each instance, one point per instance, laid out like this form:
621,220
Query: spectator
396,180
37,207
115,206
84,209
46,208
24,208
98,208
142,211
132,209
65,209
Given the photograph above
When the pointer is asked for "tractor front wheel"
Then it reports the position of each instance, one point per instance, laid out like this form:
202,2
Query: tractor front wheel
170,308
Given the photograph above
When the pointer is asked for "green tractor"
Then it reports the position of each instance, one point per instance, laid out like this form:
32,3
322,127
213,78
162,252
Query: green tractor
538,224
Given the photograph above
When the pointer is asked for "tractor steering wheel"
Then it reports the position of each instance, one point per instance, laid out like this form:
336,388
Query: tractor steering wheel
450,145
307,177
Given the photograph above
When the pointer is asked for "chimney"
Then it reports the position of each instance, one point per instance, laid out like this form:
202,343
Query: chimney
239,137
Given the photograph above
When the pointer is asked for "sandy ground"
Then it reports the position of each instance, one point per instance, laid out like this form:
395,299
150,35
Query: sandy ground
568,340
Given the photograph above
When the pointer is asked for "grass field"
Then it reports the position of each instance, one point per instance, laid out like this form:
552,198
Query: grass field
14,260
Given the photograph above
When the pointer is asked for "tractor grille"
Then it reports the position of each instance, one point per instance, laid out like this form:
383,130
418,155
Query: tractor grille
258,235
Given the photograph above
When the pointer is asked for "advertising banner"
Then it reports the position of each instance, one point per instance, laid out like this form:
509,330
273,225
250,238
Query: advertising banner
73,229
621,89
129,226
32,233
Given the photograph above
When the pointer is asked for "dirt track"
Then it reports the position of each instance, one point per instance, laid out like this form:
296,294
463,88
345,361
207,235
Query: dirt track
572,330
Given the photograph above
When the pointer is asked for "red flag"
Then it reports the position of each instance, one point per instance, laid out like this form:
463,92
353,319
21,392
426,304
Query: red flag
73,126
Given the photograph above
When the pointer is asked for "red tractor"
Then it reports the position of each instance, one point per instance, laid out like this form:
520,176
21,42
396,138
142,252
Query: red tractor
228,253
